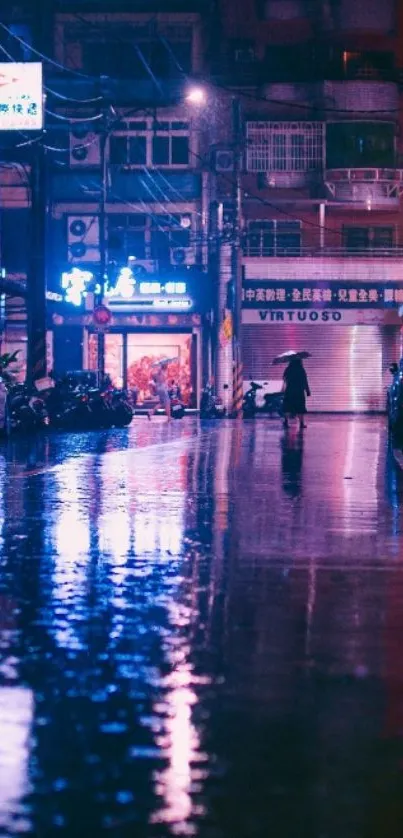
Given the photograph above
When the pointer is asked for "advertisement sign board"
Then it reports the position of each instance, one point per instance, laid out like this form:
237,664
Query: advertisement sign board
21,96
317,294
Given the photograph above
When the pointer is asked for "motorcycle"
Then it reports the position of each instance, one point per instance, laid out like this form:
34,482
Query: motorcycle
211,406
249,406
121,412
26,412
272,402
177,406
68,409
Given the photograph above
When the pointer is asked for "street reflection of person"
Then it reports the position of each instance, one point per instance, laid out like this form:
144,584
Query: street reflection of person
159,388
296,388
291,463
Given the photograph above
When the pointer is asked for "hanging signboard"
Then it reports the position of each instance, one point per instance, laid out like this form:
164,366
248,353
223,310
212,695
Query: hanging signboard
261,295
21,96
226,330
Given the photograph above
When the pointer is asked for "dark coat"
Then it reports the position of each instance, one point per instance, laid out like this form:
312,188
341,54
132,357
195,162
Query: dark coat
296,388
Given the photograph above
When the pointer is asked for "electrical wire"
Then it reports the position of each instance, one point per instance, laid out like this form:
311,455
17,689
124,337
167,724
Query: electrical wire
255,97
74,120
214,83
55,93
63,98
46,58
298,105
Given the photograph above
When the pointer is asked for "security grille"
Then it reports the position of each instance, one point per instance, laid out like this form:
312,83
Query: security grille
284,146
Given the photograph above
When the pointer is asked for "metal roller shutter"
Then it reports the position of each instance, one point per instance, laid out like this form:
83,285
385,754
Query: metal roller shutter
348,368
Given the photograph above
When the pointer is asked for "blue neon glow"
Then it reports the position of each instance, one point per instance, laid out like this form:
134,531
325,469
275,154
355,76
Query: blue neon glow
150,288
75,285
125,285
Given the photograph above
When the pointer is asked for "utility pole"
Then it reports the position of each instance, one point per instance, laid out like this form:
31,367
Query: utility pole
36,285
236,261
229,365
103,250
36,280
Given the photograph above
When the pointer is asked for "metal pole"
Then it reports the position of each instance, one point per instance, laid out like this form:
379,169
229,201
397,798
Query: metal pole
36,285
236,264
36,280
103,260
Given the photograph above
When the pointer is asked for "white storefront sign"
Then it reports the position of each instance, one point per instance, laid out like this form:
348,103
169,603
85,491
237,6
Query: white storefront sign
322,317
21,96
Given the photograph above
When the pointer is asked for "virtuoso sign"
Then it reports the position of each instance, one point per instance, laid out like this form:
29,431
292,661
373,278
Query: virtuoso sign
21,96
319,295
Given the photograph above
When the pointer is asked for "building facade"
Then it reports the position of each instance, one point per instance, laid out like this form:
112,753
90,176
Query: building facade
320,88
126,189
135,169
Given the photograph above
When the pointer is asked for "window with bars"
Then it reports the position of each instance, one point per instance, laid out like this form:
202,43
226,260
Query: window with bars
284,146
273,238
149,143
368,238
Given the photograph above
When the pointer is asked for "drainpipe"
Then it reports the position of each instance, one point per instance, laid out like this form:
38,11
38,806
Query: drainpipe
322,223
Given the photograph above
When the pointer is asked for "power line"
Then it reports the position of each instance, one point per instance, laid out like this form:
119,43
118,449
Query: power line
46,58
74,120
63,98
213,82
298,105
54,92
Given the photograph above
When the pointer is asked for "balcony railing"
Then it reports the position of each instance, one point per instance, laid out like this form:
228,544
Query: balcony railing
260,250
367,174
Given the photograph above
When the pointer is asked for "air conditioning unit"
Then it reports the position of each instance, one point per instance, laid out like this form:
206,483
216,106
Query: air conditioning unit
84,148
83,238
224,160
143,266
182,256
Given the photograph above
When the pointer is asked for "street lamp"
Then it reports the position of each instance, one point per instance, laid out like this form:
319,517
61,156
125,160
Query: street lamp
196,95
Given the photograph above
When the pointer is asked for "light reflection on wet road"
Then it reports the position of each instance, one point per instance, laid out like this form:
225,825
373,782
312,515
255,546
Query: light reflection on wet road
200,632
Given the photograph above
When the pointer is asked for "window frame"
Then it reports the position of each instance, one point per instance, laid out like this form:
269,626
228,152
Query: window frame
271,146
152,131
371,230
273,230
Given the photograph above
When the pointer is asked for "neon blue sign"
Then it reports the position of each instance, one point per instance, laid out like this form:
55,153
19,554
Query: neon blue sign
75,285
127,287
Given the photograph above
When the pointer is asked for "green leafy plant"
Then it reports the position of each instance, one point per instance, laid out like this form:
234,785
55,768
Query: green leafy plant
7,360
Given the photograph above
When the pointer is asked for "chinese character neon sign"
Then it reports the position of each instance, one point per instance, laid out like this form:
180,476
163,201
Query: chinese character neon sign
75,285
125,285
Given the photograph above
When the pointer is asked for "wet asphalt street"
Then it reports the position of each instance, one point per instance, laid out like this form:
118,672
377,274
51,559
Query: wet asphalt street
201,632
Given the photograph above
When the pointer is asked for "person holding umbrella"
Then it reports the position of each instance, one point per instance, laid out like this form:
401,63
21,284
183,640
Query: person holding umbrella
295,386
159,385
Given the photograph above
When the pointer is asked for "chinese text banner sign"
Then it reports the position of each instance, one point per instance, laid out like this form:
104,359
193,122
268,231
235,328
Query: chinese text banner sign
21,97
310,295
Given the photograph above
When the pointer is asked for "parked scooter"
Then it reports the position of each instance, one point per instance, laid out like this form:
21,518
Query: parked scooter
249,406
211,406
120,410
68,408
177,406
26,412
272,404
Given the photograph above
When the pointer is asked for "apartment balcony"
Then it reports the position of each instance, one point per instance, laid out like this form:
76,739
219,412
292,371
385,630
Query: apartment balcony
377,99
371,187
327,263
